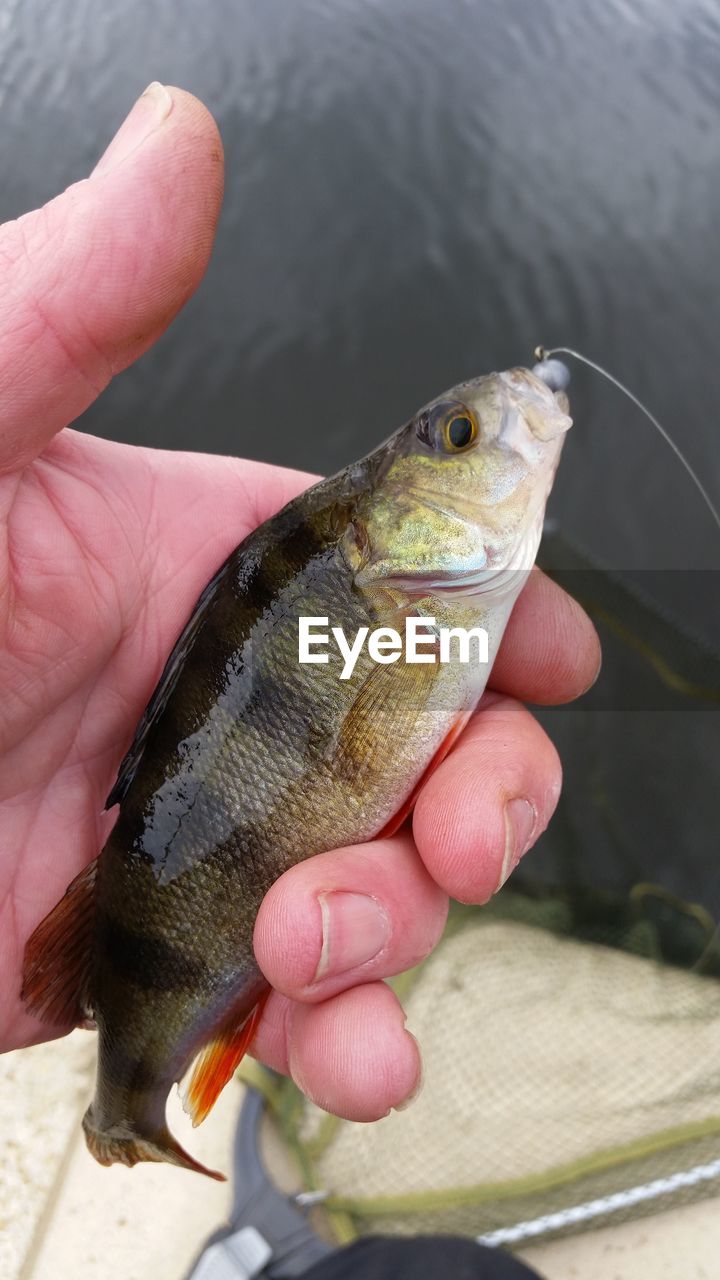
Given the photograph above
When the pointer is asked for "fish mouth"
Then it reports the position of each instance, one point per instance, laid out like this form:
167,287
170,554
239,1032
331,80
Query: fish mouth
452,585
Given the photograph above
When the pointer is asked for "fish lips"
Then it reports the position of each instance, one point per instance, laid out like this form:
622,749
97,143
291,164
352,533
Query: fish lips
472,582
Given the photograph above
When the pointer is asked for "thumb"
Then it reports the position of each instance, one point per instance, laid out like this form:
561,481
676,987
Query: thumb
92,279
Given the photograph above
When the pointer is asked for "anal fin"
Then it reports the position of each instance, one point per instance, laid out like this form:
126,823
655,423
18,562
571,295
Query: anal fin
218,1061
56,967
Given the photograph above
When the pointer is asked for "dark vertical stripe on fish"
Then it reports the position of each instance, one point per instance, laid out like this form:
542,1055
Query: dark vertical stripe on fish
149,962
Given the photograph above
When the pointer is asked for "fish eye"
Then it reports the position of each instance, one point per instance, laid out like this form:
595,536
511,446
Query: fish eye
447,427
460,431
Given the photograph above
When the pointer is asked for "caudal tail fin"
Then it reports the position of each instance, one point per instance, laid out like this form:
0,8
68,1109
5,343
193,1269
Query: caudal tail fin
116,1146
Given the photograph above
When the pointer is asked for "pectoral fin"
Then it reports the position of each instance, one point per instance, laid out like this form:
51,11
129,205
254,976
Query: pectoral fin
387,707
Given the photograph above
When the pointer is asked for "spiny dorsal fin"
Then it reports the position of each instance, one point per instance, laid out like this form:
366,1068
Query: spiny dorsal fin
330,500
219,1060
163,690
56,969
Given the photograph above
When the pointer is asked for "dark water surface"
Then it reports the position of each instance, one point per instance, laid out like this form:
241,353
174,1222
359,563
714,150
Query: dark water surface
419,191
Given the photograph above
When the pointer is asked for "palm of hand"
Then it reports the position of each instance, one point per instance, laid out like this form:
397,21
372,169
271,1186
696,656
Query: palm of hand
105,548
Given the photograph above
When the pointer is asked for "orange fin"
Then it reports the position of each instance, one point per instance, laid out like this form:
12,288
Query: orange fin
218,1061
130,1149
395,823
56,968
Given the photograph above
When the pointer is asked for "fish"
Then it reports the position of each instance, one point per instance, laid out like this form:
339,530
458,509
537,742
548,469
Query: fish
247,761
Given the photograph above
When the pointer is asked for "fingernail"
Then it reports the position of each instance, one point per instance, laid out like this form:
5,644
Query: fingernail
412,1097
520,818
355,928
151,109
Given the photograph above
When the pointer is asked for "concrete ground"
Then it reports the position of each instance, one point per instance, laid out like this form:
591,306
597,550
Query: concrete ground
62,1217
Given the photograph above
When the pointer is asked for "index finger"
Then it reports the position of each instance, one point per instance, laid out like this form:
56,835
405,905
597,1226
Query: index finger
550,652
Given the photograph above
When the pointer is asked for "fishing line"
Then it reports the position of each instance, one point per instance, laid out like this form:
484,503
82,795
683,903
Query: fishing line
541,354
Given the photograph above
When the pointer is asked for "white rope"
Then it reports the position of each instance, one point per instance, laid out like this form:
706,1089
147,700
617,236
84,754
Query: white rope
605,1204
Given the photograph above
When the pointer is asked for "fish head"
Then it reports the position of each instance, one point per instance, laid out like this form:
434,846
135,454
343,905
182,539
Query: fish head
460,494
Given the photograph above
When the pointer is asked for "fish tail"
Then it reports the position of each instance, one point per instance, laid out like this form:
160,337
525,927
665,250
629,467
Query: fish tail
114,1145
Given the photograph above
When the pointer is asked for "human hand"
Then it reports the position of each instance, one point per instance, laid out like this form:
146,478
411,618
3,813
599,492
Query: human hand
104,549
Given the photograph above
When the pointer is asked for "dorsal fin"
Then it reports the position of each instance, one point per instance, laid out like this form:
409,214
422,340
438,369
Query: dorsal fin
163,689
328,501
56,968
